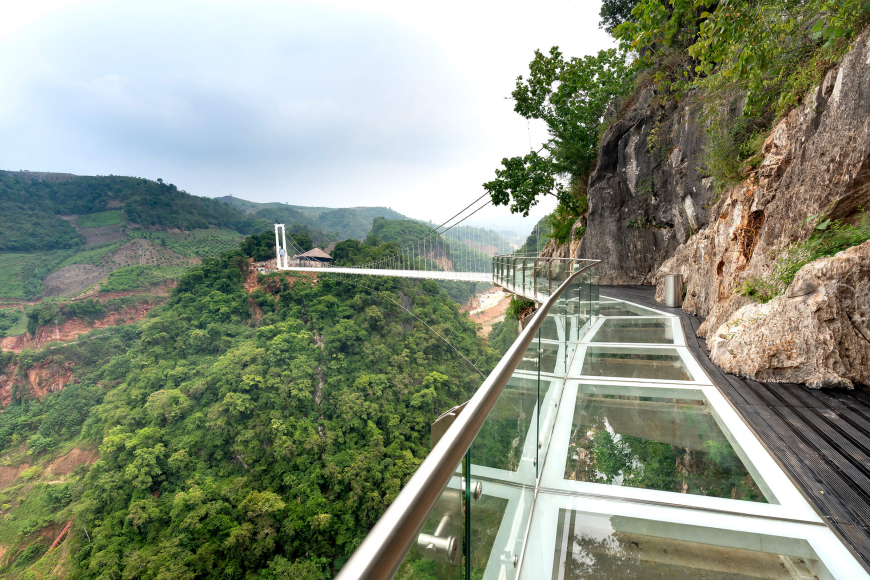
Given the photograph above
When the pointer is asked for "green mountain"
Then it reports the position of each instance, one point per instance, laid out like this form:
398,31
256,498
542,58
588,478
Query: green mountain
61,234
252,434
30,220
344,223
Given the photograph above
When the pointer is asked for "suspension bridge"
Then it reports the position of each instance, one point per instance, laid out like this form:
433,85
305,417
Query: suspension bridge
450,251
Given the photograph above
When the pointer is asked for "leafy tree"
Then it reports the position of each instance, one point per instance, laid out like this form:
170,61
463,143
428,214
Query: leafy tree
30,219
756,48
615,12
303,240
243,446
570,96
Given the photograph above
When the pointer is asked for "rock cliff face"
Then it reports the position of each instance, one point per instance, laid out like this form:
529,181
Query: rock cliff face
817,160
646,195
817,333
652,212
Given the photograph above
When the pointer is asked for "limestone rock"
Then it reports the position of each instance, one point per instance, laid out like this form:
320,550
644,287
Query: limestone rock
817,333
646,195
816,161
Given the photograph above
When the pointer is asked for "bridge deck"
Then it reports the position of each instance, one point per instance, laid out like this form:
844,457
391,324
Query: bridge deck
419,274
821,439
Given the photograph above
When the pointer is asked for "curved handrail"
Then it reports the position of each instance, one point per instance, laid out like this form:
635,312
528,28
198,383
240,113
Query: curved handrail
382,551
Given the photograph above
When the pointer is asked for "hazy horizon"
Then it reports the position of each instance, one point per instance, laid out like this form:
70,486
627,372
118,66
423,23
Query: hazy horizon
332,103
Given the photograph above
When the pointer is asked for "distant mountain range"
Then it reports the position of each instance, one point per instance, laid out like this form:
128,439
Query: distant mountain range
343,223
62,235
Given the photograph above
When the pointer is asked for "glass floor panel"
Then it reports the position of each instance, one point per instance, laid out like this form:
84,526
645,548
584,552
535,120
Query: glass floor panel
602,547
486,518
620,308
641,363
653,442
637,330
550,329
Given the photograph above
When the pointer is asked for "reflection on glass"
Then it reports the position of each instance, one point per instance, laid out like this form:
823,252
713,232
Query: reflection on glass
552,323
654,443
505,451
590,546
437,551
501,440
610,307
548,357
486,518
639,363
638,330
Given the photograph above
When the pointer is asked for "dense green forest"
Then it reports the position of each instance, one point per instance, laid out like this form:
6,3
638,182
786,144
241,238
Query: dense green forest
29,222
241,435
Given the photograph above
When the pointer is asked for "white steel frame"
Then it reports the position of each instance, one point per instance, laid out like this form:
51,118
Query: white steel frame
788,515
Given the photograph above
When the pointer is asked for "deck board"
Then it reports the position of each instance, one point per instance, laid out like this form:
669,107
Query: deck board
821,439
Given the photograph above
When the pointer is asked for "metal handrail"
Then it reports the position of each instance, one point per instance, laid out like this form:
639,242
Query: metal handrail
382,551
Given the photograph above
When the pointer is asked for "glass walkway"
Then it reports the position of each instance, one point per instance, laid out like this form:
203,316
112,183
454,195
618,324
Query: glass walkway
608,454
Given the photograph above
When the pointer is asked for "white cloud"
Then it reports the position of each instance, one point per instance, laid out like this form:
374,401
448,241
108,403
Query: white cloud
331,103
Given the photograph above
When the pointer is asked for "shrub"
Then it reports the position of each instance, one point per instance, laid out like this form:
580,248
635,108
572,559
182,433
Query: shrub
828,238
562,220
734,146
32,472
515,307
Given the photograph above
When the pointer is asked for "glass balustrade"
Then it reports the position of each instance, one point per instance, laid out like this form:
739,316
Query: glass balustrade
608,454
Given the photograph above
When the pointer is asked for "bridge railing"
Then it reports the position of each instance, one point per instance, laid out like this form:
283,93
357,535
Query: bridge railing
533,277
469,504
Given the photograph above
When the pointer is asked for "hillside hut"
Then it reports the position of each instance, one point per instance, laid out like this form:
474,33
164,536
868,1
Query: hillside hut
315,255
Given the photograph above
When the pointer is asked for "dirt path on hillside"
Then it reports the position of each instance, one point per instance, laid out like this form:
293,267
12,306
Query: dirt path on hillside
492,308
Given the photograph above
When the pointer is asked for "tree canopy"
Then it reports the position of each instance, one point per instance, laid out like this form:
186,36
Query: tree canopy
248,435
29,221
570,96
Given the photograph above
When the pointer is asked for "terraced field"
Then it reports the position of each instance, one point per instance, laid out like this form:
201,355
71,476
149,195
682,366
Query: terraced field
101,219
86,269
203,243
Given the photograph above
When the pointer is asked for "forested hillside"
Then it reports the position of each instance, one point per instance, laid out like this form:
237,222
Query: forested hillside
242,433
342,223
29,220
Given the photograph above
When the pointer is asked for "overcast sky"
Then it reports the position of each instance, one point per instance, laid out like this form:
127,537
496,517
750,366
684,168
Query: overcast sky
335,103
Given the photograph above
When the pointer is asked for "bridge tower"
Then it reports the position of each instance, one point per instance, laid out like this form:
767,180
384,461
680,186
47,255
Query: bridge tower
281,247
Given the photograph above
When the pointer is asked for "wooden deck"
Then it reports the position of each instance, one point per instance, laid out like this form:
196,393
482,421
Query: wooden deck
821,439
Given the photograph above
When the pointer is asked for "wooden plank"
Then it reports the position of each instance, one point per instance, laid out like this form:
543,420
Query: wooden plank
858,437
769,398
805,396
861,395
784,393
798,466
827,398
745,391
832,436
851,474
856,537
857,421
823,484
850,402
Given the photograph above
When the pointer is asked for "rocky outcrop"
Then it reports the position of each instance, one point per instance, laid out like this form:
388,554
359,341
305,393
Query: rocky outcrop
817,333
817,161
646,195
35,382
71,329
